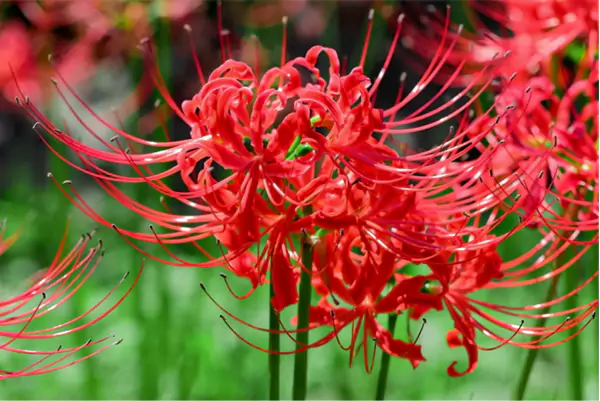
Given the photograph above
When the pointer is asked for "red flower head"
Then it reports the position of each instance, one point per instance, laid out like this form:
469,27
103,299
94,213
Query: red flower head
531,32
49,290
457,277
550,147
91,25
19,55
366,281
252,134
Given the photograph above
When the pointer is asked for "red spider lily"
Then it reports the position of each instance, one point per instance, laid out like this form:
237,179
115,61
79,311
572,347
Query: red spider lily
237,123
91,24
359,281
552,146
100,15
22,45
532,32
455,282
49,290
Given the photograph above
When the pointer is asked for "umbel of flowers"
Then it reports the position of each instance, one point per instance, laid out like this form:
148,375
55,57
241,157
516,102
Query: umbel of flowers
303,188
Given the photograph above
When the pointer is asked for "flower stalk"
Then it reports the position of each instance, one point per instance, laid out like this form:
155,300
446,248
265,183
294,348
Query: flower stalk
274,357
385,362
574,350
305,292
532,353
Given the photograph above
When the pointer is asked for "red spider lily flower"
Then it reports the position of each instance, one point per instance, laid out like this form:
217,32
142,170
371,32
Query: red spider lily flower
21,47
99,15
237,123
362,280
359,281
91,24
49,290
456,283
532,32
552,147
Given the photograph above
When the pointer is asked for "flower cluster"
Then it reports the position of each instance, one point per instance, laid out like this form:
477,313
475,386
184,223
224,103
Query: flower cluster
78,34
47,291
300,179
530,33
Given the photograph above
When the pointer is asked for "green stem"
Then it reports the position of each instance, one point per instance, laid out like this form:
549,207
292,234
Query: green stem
385,362
570,213
301,358
574,350
273,346
532,352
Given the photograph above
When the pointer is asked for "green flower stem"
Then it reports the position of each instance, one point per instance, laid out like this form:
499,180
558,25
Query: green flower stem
273,346
574,350
385,362
301,358
532,353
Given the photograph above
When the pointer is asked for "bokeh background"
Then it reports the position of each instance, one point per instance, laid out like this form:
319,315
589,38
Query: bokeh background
175,346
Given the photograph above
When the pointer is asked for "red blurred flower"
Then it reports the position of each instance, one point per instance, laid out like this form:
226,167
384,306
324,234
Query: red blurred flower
19,54
94,27
551,148
48,290
529,33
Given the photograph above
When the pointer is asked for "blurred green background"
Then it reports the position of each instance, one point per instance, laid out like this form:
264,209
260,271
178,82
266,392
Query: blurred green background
175,345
